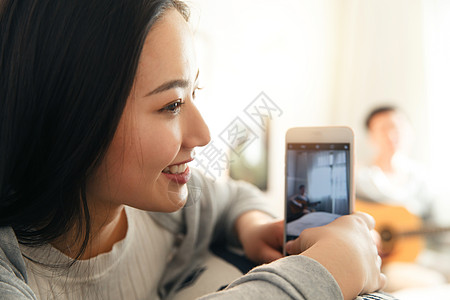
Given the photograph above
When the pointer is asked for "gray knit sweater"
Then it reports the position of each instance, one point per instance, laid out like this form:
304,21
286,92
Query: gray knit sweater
209,215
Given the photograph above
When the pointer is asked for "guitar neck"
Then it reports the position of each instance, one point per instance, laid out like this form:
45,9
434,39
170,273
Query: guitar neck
423,231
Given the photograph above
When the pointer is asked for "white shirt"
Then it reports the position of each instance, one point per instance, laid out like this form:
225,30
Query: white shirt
407,187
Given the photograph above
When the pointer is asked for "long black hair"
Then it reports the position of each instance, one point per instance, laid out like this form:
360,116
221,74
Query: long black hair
66,69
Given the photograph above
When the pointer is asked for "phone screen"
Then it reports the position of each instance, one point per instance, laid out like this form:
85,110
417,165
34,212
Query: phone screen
317,185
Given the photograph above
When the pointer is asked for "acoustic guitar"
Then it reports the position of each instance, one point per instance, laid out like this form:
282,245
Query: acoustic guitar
401,232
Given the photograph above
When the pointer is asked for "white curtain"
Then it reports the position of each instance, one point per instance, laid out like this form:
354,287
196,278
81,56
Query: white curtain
327,179
380,61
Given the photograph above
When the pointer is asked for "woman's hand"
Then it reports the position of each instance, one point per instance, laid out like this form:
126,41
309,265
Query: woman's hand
261,236
346,248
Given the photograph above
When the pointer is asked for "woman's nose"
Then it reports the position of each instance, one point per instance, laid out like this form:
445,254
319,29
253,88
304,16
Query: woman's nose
195,131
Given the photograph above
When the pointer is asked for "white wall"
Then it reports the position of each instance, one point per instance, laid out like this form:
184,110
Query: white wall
285,49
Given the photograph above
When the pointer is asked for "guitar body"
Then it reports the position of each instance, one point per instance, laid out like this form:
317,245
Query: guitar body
390,221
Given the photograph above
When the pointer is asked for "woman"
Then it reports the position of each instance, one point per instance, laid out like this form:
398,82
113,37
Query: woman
97,125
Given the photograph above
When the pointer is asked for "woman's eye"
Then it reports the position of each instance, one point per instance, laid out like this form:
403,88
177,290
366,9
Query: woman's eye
174,107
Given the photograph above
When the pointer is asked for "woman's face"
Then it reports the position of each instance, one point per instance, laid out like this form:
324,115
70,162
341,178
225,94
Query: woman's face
145,165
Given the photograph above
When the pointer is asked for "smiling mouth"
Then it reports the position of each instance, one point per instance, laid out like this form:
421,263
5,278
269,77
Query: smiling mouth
180,174
175,169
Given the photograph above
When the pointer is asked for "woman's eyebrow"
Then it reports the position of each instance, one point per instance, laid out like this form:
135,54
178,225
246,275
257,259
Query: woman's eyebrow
177,83
170,85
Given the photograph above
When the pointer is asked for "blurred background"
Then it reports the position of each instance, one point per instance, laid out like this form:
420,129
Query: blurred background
320,63
326,62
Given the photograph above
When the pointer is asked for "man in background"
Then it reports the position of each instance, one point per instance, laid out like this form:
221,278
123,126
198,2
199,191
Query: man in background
393,179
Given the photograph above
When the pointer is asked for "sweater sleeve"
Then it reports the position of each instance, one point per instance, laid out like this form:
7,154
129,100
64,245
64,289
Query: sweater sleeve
293,277
230,199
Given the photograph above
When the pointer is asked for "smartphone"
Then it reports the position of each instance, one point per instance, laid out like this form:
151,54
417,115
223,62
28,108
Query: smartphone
318,177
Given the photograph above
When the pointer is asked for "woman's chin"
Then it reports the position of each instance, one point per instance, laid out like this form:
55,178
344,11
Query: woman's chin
178,198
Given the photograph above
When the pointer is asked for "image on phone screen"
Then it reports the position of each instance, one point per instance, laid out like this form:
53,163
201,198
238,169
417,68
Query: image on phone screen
317,185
